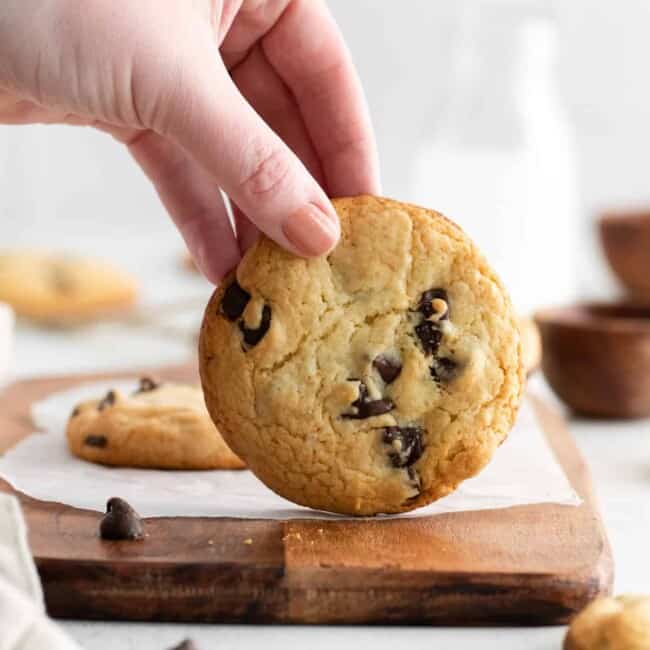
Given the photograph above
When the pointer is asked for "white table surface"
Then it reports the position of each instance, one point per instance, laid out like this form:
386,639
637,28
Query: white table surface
618,454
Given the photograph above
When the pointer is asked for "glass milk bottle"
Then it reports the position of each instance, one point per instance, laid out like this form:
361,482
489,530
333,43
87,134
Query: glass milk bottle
501,159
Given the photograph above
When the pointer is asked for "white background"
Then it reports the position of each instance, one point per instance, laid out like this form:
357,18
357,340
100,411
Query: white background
75,188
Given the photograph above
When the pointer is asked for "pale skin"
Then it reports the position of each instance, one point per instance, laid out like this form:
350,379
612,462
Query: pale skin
257,97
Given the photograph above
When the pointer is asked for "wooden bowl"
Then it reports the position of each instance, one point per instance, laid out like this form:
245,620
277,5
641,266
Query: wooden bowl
596,357
625,237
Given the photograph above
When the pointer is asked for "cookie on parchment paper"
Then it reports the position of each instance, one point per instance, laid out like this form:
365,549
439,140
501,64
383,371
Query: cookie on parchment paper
163,426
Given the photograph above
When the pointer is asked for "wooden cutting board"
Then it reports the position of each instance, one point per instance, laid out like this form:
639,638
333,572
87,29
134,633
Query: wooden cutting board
524,565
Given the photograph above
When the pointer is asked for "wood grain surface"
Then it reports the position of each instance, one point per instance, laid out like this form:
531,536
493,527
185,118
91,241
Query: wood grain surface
524,565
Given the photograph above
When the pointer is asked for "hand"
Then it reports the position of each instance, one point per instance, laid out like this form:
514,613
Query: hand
258,97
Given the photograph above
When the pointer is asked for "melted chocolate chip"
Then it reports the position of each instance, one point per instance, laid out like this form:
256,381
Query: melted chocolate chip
188,644
387,368
429,335
109,400
75,411
405,443
96,441
415,480
234,301
443,370
366,408
146,385
121,521
425,307
254,336
376,407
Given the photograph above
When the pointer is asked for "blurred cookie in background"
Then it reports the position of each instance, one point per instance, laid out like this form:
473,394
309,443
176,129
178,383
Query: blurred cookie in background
61,289
531,344
621,623
161,426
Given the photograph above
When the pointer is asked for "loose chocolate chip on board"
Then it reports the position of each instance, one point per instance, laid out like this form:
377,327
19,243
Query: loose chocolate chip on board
429,335
405,443
146,385
387,368
234,301
121,521
444,370
426,308
109,400
96,441
188,644
365,408
254,336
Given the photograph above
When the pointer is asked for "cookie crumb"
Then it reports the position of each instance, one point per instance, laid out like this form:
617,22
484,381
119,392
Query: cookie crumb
248,541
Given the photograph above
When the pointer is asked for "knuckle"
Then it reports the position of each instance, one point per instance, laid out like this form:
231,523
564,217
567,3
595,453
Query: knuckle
266,170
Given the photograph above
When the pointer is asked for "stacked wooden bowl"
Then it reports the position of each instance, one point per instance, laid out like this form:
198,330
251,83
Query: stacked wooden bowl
596,356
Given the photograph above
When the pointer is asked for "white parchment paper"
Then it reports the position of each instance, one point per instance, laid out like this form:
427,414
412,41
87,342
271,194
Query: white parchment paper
523,471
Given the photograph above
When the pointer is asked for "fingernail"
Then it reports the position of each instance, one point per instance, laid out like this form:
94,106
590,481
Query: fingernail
311,231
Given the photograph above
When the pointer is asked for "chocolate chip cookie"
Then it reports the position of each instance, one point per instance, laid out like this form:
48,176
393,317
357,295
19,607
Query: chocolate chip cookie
62,289
163,426
621,623
371,380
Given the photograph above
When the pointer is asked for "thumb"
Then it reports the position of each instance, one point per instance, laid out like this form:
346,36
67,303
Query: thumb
256,169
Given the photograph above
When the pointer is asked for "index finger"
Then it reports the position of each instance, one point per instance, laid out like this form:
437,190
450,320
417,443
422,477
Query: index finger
307,50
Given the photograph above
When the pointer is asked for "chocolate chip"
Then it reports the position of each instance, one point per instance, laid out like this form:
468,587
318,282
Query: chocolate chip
443,369
387,368
254,336
121,521
415,480
429,335
108,400
96,441
146,385
405,443
188,644
366,408
75,411
234,301
426,308
376,407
